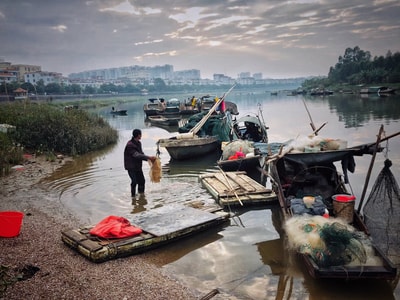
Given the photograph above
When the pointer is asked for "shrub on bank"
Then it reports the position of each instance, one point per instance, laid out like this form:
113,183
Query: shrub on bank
42,128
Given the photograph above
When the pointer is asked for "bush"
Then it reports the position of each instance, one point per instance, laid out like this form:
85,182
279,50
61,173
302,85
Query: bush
43,128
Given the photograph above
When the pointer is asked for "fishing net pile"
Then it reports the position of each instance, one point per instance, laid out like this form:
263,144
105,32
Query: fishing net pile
155,170
216,125
382,211
330,242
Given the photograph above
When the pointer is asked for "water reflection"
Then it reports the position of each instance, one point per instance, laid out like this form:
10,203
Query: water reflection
245,258
139,203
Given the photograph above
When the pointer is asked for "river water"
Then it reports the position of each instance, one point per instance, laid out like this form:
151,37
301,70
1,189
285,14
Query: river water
245,258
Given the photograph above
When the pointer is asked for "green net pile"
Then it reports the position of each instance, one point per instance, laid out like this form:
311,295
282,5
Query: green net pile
341,246
382,212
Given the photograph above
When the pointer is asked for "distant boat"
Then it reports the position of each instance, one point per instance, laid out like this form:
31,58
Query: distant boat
380,90
320,92
118,112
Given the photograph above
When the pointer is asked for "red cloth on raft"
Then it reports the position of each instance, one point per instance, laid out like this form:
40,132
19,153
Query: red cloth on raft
115,227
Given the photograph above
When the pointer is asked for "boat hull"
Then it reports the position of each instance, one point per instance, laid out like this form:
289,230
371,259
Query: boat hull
190,148
241,164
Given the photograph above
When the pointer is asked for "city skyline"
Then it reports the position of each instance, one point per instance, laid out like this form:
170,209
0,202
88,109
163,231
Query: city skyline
284,39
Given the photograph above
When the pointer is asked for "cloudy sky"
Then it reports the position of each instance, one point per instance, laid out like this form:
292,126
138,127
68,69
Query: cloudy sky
275,37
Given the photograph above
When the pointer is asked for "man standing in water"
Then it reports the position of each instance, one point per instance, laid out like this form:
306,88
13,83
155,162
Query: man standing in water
133,161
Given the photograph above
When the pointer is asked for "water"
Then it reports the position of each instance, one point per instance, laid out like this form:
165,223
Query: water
244,258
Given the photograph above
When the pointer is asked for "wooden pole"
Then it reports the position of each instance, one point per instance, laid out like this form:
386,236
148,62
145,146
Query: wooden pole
196,128
309,115
378,140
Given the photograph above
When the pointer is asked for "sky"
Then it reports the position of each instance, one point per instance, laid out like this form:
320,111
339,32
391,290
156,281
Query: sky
280,39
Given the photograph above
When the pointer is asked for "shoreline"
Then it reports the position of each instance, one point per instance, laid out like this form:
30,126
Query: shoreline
50,269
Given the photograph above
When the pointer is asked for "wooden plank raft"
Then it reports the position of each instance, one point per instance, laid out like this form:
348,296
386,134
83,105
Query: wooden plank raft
236,188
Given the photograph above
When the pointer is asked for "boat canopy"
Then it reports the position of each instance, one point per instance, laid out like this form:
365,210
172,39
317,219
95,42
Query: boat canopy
324,158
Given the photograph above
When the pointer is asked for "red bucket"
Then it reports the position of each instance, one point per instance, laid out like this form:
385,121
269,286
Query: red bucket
343,206
10,223
343,198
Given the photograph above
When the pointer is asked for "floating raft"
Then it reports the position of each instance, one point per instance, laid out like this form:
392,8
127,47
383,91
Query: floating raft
160,226
236,188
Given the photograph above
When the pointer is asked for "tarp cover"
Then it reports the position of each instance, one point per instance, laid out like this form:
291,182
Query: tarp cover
115,227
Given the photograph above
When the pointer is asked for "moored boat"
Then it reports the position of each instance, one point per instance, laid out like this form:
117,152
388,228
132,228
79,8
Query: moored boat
154,106
248,147
190,147
379,90
164,120
201,135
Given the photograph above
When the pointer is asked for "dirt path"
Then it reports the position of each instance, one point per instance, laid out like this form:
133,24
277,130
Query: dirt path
53,271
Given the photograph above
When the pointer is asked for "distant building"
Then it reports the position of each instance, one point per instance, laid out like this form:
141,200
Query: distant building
8,77
47,77
257,76
24,69
244,75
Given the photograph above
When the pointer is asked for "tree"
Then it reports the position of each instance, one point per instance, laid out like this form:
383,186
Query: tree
89,90
40,87
54,88
74,89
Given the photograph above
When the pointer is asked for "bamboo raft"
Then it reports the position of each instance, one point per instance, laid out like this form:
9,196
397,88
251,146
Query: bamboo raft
160,226
236,188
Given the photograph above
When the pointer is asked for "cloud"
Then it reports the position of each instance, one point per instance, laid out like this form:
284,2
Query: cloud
277,38
60,28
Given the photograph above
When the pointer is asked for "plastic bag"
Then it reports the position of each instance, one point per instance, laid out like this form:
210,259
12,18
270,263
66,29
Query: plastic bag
115,227
155,170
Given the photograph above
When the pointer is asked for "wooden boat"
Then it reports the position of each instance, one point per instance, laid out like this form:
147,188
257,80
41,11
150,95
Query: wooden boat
201,135
160,226
153,107
249,146
192,147
164,120
298,177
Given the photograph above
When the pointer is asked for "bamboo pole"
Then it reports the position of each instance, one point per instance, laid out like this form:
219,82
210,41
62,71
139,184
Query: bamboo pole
230,186
378,140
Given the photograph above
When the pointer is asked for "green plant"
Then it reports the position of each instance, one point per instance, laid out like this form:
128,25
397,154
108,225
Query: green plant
7,278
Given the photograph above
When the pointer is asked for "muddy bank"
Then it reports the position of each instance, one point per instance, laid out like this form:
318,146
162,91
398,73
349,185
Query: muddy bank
49,269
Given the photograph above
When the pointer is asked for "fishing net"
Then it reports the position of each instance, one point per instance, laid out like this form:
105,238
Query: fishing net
155,170
382,211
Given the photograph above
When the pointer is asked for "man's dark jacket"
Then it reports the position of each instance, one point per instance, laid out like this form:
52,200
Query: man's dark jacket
133,155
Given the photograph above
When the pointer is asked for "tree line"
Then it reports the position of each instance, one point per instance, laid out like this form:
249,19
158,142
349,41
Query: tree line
357,67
